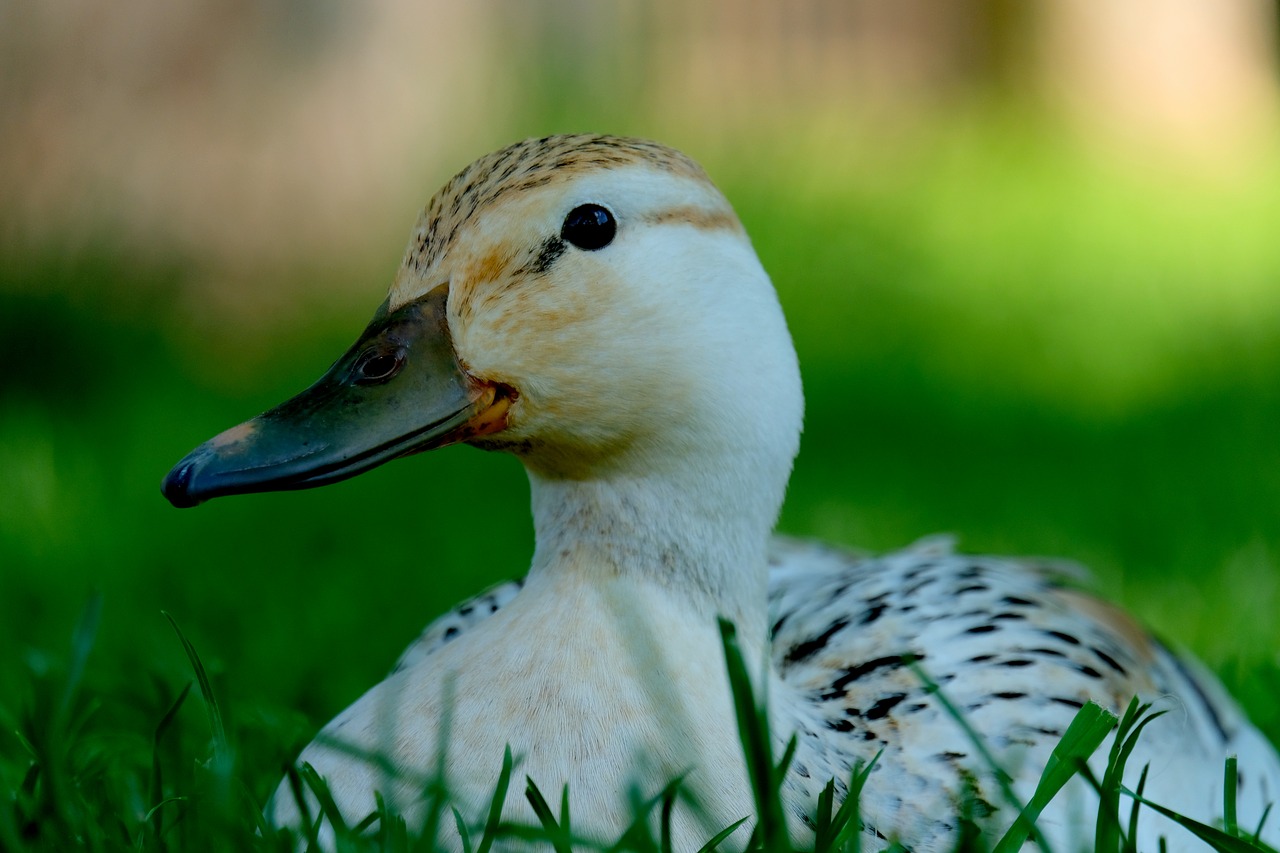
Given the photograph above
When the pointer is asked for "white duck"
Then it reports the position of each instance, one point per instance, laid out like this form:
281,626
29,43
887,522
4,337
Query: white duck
592,305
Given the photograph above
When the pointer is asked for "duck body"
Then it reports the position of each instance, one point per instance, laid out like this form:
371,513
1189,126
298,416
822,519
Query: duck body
592,305
1014,644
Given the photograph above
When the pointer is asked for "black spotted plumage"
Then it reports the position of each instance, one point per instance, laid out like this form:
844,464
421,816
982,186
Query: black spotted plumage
448,627
1016,648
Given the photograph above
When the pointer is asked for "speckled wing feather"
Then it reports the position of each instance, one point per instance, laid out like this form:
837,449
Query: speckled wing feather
1019,654
450,625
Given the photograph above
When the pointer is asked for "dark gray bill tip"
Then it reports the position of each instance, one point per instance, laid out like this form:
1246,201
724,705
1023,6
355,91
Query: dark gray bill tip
177,485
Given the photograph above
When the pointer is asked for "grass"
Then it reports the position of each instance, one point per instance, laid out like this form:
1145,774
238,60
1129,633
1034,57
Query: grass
193,789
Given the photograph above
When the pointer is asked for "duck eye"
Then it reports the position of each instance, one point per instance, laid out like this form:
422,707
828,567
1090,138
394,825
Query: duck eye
377,366
589,226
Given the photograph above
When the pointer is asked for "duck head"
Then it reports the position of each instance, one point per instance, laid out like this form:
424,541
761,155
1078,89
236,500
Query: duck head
588,303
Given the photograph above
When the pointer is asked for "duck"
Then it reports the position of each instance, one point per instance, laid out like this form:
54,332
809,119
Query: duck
593,306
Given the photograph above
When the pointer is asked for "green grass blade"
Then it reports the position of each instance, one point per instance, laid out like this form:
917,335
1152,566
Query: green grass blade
218,732
556,833
160,805
564,811
637,837
81,644
433,786
1131,739
1262,822
436,787
461,825
1106,831
167,720
1230,780
846,825
370,819
753,732
540,806
252,811
968,836
328,806
1107,834
154,821
393,830
1104,804
719,837
496,804
1003,779
788,755
1126,739
381,815
298,791
9,820
1088,729
1214,837
26,744
428,834
30,780
668,807
52,733
1131,842
823,832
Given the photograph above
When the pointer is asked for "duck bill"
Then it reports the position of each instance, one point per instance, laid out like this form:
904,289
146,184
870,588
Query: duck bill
398,390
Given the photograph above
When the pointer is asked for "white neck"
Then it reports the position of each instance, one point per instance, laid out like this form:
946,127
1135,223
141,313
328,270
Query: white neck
700,533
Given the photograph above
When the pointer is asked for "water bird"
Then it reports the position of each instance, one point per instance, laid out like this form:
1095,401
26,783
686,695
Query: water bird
593,306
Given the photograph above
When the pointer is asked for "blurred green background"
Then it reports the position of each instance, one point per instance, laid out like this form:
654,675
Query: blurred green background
1028,252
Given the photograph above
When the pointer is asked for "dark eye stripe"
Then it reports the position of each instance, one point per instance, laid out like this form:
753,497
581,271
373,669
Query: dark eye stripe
551,248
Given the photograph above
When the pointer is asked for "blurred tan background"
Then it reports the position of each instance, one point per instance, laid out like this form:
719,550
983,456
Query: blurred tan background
245,135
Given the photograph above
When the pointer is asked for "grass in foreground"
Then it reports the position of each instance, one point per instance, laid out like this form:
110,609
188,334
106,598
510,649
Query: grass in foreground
78,784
